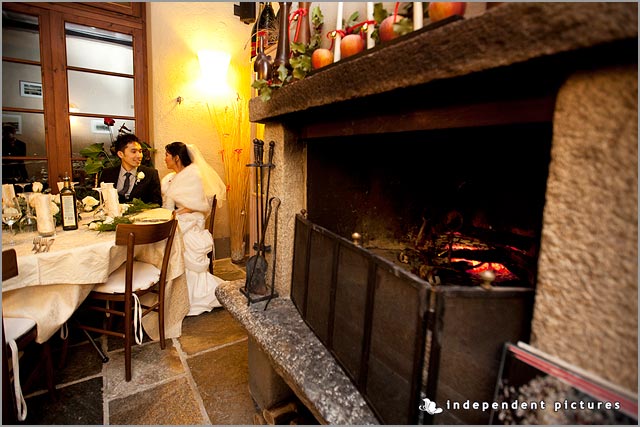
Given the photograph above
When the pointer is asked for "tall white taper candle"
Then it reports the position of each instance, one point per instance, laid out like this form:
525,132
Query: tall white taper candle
417,15
336,51
370,42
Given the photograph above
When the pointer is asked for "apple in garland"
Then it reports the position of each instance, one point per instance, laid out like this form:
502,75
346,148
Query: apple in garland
386,28
351,44
443,9
321,57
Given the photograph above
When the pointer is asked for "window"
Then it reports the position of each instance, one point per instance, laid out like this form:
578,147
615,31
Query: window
65,67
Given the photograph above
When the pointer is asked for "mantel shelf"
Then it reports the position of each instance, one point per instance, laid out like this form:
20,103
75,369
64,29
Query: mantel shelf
513,33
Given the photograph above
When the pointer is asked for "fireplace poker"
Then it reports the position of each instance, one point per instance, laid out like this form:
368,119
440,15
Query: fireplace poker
275,248
270,166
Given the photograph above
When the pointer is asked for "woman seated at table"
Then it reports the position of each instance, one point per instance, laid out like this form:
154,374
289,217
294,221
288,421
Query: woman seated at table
189,190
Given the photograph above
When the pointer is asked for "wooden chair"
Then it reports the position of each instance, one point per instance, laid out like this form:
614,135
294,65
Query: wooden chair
17,335
212,217
132,280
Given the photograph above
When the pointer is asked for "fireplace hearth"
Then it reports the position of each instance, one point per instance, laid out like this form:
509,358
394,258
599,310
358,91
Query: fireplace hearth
504,141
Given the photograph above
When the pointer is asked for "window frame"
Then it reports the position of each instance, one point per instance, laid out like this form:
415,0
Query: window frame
52,18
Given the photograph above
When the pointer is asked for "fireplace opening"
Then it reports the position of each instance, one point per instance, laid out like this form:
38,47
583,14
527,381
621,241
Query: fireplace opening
446,205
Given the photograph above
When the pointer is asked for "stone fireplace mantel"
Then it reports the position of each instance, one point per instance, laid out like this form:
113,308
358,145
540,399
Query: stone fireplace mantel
512,33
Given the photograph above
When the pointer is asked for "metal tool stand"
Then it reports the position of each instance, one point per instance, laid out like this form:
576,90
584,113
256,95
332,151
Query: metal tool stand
257,264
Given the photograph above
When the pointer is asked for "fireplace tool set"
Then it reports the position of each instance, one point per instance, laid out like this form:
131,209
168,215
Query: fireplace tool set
256,288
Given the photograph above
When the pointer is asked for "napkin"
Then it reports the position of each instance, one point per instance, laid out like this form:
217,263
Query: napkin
111,202
44,218
8,193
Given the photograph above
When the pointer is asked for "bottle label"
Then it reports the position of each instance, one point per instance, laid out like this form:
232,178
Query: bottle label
68,210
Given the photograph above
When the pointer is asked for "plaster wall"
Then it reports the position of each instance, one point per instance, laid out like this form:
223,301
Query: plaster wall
586,309
176,31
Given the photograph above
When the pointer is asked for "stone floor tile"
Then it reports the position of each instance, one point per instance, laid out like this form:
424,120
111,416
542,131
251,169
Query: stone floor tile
171,403
226,270
209,330
82,361
149,365
222,379
79,404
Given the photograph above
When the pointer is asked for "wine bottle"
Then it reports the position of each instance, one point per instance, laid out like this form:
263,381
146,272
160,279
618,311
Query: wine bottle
254,35
267,24
68,208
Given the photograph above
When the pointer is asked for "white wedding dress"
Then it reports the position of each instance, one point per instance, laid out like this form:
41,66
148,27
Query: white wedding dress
185,189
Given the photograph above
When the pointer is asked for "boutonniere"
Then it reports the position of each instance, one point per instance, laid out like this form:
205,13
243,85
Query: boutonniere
139,177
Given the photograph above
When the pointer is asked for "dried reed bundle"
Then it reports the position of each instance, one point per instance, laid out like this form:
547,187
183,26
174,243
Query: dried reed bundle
231,120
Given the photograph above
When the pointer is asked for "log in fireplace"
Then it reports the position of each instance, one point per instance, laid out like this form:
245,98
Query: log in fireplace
443,161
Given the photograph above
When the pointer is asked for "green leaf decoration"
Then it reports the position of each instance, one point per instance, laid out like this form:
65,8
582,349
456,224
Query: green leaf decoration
298,47
112,226
353,19
403,26
282,73
137,205
379,13
93,149
265,94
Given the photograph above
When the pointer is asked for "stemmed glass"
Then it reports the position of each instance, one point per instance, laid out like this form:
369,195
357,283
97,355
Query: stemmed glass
22,185
28,223
99,211
10,214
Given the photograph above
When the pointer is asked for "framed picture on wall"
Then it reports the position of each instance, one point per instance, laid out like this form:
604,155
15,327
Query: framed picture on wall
30,89
98,126
14,120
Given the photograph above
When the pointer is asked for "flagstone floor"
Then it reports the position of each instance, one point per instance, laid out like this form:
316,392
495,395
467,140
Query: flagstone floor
200,378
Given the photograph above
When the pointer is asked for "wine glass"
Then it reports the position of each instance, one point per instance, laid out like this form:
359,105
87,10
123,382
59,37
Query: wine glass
28,223
22,185
10,214
99,212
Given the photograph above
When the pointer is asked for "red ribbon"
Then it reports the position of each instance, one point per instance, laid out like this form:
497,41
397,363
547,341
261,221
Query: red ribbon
360,27
332,36
297,15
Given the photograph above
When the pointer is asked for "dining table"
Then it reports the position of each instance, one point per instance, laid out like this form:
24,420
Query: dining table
51,285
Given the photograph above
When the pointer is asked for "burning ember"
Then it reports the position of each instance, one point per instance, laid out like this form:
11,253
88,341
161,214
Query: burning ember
456,258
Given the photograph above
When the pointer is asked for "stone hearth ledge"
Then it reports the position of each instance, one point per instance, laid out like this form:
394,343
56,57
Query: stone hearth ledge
299,357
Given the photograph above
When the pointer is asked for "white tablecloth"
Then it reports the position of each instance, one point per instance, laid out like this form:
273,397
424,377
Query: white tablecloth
51,285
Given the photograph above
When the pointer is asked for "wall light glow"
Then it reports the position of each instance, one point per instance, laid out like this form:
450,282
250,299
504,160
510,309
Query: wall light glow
214,66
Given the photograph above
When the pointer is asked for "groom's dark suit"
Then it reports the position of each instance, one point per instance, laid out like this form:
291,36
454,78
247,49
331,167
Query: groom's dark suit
147,189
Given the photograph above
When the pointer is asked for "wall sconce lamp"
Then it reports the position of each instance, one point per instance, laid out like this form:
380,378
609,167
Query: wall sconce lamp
214,65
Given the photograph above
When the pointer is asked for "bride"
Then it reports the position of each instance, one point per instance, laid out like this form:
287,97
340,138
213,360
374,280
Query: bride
189,190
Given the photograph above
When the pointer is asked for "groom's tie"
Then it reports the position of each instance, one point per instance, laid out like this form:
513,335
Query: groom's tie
125,187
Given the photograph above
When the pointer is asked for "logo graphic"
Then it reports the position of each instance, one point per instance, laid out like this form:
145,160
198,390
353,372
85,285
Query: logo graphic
429,407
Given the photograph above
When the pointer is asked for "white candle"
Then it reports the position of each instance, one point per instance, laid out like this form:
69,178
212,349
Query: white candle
417,15
370,42
336,51
8,193
44,218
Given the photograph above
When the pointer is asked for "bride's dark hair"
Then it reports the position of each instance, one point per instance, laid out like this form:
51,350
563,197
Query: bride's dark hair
179,149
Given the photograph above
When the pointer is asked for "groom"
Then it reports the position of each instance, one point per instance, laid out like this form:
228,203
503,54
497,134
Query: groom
133,180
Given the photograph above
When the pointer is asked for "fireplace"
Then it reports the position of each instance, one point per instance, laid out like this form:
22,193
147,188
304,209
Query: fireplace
474,145
432,199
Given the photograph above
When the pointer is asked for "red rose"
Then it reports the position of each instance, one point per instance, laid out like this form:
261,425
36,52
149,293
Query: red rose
109,121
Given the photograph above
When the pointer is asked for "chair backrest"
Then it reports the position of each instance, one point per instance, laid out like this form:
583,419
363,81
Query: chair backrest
142,234
9,270
212,215
9,264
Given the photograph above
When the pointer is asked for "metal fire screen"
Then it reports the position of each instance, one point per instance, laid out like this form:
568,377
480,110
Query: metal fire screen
370,314
374,317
